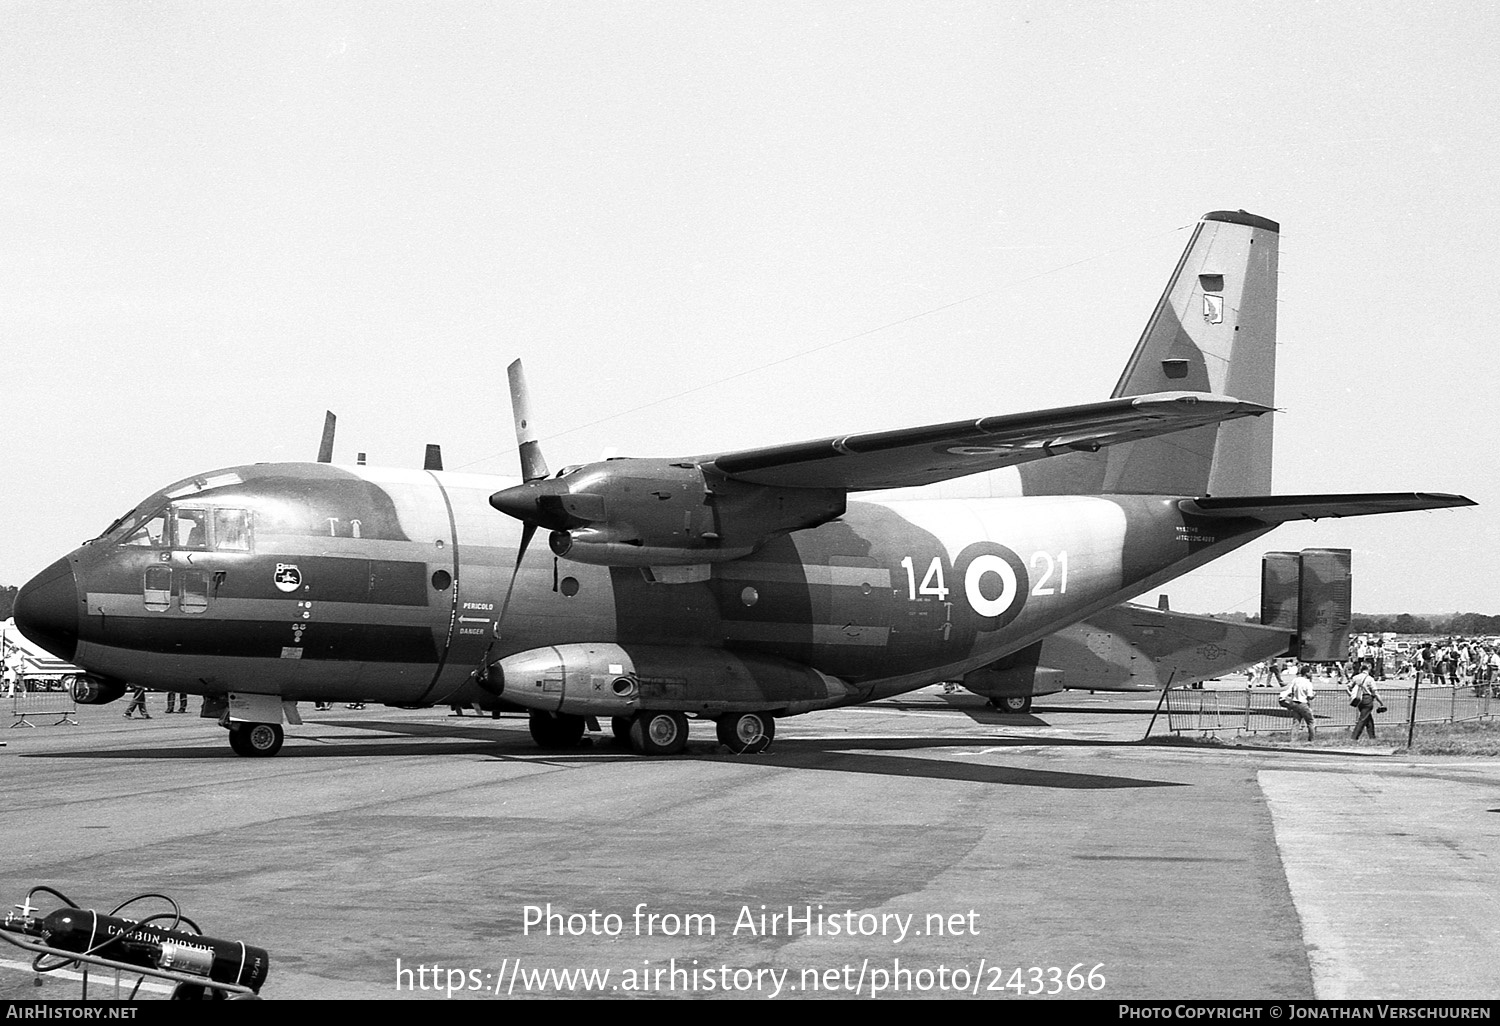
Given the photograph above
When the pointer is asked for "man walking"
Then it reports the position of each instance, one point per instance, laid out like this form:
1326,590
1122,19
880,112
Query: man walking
1364,697
137,701
1297,697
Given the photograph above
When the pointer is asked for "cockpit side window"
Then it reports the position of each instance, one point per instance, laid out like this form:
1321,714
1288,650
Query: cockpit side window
232,530
190,528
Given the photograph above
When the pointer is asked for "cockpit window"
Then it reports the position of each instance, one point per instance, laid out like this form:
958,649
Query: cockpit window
128,525
190,529
149,534
231,530
193,528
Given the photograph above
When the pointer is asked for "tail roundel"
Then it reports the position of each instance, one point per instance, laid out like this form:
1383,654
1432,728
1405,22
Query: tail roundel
1213,330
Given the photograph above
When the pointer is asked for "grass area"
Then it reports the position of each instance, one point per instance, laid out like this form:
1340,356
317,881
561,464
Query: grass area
1472,738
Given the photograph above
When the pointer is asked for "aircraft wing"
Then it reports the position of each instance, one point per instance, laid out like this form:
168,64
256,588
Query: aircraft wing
1278,509
922,455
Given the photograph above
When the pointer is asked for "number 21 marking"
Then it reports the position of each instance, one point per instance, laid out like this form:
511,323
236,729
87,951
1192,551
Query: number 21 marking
1060,565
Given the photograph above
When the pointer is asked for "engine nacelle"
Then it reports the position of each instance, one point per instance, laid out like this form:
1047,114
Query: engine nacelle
613,680
638,512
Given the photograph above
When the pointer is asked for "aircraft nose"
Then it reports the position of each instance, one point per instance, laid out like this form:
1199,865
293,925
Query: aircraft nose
46,610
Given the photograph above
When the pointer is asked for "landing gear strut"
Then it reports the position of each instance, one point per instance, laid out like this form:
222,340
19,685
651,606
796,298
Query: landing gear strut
256,739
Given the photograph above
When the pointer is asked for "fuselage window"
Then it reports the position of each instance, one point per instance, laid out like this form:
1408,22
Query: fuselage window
194,591
158,587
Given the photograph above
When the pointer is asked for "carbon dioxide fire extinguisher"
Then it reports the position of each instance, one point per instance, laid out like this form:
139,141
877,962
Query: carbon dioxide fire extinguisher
123,940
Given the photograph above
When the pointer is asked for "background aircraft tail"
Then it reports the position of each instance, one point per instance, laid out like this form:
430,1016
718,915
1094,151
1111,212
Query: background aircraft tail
1213,330
1310,594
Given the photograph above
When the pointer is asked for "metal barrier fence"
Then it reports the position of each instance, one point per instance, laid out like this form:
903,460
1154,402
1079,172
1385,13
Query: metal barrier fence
1255,710
43,703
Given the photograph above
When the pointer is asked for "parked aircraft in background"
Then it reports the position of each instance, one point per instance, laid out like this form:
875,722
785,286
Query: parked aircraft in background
740,587
1305,611
1128,647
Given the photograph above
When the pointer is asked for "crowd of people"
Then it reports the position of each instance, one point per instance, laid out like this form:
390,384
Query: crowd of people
1454,662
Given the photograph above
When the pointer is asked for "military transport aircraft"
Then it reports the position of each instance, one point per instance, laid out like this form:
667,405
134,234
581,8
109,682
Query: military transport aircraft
739,587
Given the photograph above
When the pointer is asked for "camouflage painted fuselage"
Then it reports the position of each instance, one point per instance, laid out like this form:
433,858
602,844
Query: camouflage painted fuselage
343,583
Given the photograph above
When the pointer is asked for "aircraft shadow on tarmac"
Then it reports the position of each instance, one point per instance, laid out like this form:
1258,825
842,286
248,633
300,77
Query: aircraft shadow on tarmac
827,754
983,712
1118,710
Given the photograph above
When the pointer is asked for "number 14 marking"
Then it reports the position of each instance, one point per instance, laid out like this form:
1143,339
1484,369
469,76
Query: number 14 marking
932,583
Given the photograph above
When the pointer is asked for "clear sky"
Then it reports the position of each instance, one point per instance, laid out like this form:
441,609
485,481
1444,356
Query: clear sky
222,219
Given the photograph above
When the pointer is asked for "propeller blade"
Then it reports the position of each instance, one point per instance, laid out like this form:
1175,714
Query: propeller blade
482,673
325,448
527,532
533,466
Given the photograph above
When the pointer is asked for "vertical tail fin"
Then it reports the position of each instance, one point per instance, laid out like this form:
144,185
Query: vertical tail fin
1213,330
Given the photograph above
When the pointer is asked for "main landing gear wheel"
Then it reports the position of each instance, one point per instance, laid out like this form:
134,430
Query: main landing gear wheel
659,733
1012,703
620,727
259,739
556,730
746,733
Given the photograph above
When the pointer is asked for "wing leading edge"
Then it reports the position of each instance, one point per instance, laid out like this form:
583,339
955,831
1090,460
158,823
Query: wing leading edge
937,452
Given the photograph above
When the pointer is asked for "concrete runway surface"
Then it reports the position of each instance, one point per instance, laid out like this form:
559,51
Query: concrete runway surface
926,846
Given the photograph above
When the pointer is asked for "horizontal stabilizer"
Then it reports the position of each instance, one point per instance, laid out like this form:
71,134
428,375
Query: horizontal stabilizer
922,455
1278,509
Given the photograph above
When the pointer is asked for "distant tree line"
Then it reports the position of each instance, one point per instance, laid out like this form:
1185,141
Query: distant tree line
7,600
1406,623
1403,623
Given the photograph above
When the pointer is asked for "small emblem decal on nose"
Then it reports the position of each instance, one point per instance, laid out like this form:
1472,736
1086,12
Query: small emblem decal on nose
288,577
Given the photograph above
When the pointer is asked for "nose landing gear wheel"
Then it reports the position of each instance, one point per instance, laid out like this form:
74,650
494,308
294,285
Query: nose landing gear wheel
659,733
256,739
746,733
